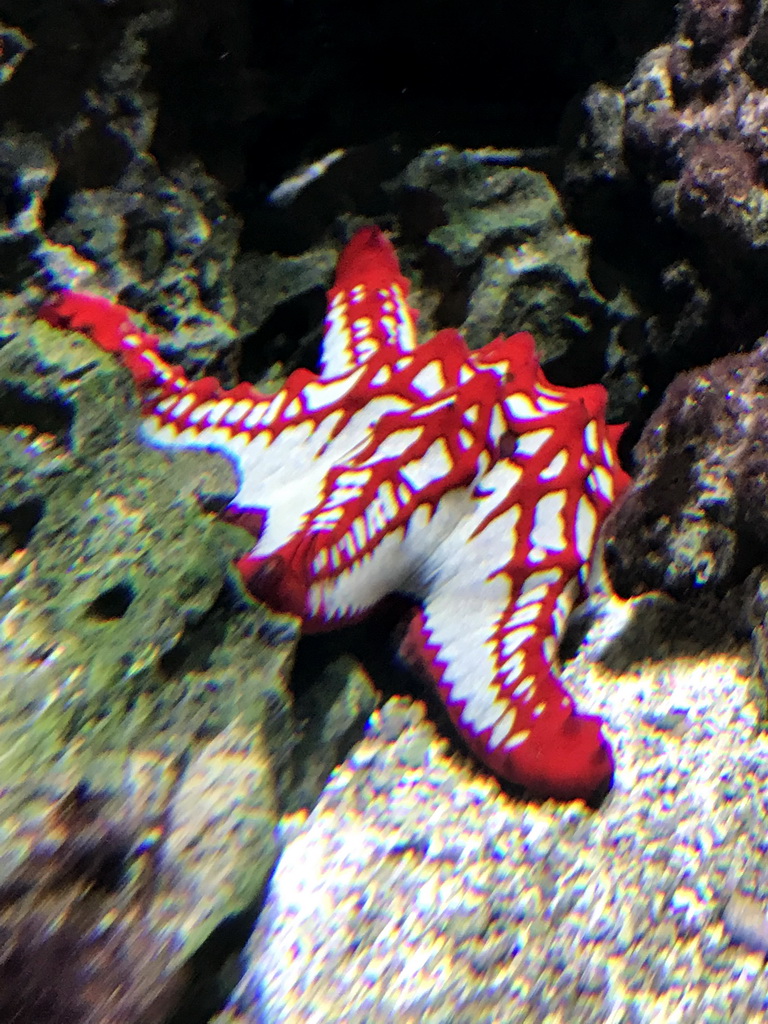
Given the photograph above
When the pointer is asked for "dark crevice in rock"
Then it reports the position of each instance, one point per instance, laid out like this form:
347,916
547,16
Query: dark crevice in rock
300,317
113,603
193,652
216,967
46,415
19,522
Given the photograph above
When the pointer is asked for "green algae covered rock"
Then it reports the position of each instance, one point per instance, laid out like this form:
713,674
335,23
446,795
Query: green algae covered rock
502,258
132,664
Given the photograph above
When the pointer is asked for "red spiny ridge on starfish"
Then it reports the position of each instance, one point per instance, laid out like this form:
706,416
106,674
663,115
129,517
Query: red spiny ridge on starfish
463,479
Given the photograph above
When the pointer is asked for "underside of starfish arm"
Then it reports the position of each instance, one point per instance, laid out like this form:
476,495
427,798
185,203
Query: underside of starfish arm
384,512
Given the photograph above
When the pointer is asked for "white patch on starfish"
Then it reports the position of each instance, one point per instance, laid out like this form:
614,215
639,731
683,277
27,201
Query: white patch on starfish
321,394
601,480
525,615
394,444
530,442
536,586
590,437
503,728
430,380
586,525
556,466
548,529
435,464
521,407
516,638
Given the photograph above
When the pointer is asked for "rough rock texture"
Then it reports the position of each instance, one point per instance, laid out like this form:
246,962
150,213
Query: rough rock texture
501,257
85,197
103,961
106,892
488,248
694,523
140,135
695,517
669,179
133,666
415,890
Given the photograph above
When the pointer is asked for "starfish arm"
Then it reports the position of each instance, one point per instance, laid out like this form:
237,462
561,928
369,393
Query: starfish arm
526,731
109,325
367,307
500,589
490,645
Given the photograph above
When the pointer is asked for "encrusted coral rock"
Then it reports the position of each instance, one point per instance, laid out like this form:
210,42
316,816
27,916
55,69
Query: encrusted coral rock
696,515
696,117
668,177
127,661
503,254
76,943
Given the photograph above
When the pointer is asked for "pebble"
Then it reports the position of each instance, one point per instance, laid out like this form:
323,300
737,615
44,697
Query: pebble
746,922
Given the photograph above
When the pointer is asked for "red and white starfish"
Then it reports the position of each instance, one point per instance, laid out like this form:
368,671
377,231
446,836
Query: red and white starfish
461,479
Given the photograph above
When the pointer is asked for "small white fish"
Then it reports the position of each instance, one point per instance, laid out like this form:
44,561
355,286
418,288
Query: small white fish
288,189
